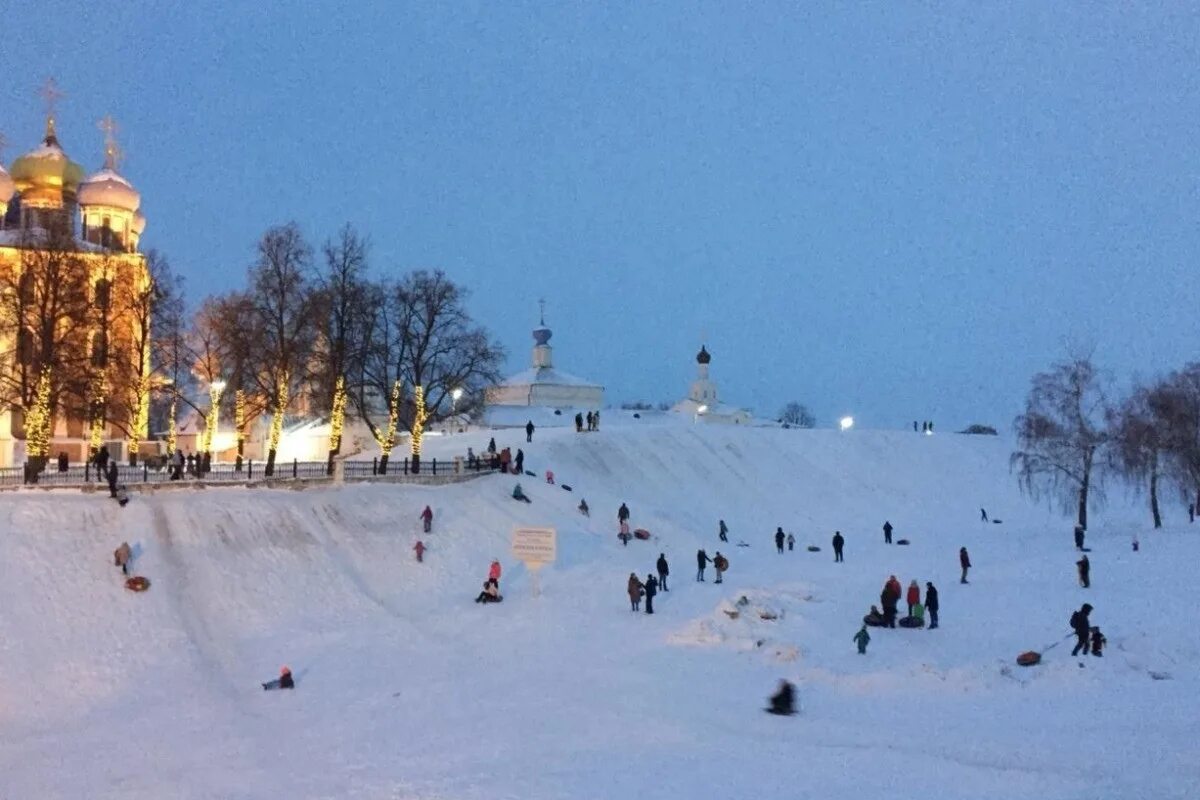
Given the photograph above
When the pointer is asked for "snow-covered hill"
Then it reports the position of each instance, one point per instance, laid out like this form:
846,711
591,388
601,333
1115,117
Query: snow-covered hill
407,689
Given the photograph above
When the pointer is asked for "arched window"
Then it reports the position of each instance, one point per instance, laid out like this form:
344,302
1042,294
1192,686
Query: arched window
99,349
103,293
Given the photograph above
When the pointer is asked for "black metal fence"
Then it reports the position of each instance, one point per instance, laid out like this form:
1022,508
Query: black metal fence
83,474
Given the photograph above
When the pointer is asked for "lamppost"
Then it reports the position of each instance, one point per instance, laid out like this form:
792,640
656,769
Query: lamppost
214,412
455,393
701,411
846,423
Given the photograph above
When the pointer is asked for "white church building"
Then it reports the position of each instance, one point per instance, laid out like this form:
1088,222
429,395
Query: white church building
702,403
543,387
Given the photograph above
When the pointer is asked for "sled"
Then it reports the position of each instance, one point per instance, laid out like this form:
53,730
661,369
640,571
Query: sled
902,541
874,622
1086,549
911,622
780,713
137,583
1029,658
530,474
641,533
566,488
269,685
997,521
812,548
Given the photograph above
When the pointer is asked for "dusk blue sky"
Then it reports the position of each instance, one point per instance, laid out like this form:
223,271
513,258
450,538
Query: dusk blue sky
898,210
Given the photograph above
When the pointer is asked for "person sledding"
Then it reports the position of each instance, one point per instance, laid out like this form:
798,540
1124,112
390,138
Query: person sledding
783,702
519,494
862,639
874,618
122,496
490,593
284,681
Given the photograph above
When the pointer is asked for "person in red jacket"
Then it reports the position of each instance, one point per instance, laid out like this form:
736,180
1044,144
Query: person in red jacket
913,597
427,518
419,549
964,561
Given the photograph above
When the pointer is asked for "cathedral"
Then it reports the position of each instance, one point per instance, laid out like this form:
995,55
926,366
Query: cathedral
74,307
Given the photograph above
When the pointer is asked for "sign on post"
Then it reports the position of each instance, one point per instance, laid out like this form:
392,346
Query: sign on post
535,547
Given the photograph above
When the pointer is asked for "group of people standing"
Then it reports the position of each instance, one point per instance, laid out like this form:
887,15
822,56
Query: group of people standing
889,599
592,420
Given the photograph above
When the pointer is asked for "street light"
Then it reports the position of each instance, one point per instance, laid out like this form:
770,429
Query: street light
846,423
455,393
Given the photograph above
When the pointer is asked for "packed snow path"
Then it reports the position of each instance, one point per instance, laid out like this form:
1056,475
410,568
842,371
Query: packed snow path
407,689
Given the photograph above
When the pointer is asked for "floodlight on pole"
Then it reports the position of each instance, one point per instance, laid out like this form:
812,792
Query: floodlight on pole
846,423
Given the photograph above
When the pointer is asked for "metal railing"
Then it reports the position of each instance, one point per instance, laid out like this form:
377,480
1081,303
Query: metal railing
248,471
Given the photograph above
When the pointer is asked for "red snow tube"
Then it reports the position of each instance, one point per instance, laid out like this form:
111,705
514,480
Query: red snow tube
137,584
1029,658
641,533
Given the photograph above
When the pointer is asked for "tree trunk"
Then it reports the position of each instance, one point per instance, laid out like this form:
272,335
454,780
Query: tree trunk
1154,498
383,462
416,463
1083,499
270,468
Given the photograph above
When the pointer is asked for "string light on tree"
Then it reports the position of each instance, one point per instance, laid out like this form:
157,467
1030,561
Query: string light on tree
171,441
239,418
281,404
97,426
214,413
418,427
388,440
338,415
38,419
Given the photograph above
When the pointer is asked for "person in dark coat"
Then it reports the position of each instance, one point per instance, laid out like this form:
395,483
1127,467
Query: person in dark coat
623,513
519,461
589,420
887,532
791,540
915,426
491,448
111,476
783,702
1079,533
191,464
579,423
529,431
427,519
931,604
702,560
651,590
206,463
663,571
964,561
890,598
983,515
102,458
779,540
723,532
1192,512
838,544
63,463
1085,570
1082,628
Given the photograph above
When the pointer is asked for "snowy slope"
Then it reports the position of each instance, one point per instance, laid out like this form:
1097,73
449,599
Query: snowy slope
407,689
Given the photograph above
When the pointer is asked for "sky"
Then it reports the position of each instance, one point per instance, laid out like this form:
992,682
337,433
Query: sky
895,210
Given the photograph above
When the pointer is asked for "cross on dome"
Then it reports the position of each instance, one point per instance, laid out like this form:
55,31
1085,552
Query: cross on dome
51,94
112,151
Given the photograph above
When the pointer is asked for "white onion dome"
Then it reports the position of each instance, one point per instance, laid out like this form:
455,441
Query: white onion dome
107,188
139,222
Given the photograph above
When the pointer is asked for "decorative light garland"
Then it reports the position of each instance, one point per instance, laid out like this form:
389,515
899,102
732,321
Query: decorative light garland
388,440
37,433
171,428
239,417
141,414
337,415
213,418
418,427
99,385
281,404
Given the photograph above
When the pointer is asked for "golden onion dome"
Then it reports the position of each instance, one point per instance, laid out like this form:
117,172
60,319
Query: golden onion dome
45,174
107,188
139,223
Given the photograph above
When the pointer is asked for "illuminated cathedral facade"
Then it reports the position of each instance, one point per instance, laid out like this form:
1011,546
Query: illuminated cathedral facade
74,316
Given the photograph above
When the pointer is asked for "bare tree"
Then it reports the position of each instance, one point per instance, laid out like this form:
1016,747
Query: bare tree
1138,437
172,360
1061,434
797,415
237,327
44,314
1178,403
282,297
342,295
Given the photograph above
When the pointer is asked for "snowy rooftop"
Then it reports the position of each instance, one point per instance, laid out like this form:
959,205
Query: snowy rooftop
547,376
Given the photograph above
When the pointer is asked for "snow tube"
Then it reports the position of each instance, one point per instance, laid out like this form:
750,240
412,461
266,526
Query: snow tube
812,548
902,541
641,533
1029,658
874,622
137,584
567,488
911,622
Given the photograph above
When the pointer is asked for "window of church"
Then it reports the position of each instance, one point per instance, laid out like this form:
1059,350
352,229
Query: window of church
103,293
